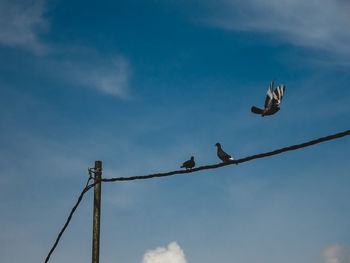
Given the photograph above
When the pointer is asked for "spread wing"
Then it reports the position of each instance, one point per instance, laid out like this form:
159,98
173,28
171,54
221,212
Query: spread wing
269,96
278,94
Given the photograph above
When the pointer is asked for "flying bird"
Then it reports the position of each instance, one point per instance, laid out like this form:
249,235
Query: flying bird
189,164
222,155
272,101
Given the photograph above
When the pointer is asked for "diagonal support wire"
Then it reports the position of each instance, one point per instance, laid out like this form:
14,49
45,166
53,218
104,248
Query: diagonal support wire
87,188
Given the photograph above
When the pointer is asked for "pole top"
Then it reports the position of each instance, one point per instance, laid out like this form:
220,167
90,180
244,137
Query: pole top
98,164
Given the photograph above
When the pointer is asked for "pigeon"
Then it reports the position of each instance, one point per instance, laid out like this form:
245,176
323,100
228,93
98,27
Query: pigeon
222,155
273,99
189,164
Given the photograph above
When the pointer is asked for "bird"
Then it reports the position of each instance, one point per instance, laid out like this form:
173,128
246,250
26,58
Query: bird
189,164
272,101
222,155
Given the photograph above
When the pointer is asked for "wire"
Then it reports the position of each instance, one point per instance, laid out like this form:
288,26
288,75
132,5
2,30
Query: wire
206,167
87,188
243,160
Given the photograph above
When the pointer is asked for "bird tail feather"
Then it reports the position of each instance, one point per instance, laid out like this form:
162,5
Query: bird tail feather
256,110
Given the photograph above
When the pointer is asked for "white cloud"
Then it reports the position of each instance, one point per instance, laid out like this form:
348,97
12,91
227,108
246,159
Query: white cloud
321,24
20,23
336,254
172,254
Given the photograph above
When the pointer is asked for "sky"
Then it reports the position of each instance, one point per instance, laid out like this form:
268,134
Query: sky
144,85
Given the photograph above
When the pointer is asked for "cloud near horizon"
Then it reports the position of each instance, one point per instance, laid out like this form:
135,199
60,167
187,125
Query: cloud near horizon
336,254
172,254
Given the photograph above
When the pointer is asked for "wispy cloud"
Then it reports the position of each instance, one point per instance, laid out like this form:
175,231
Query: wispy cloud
172,254
21,22
110,76
92,71
314,24
336,254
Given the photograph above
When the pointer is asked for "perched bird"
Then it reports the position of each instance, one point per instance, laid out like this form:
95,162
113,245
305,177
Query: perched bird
222,155
189,164
273,99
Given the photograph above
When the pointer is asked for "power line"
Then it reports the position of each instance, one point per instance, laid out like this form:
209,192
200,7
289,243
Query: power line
243,160
206,167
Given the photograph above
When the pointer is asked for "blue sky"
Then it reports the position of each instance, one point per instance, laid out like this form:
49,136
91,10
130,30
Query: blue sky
142,86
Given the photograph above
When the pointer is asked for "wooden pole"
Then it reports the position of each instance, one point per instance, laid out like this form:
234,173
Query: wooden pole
97,214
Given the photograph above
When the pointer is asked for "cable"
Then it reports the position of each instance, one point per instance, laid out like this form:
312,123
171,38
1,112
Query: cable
87,188
206,167
243,160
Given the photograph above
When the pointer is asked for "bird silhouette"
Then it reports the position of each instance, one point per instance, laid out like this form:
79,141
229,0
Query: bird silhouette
189,164
272,101
222,155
